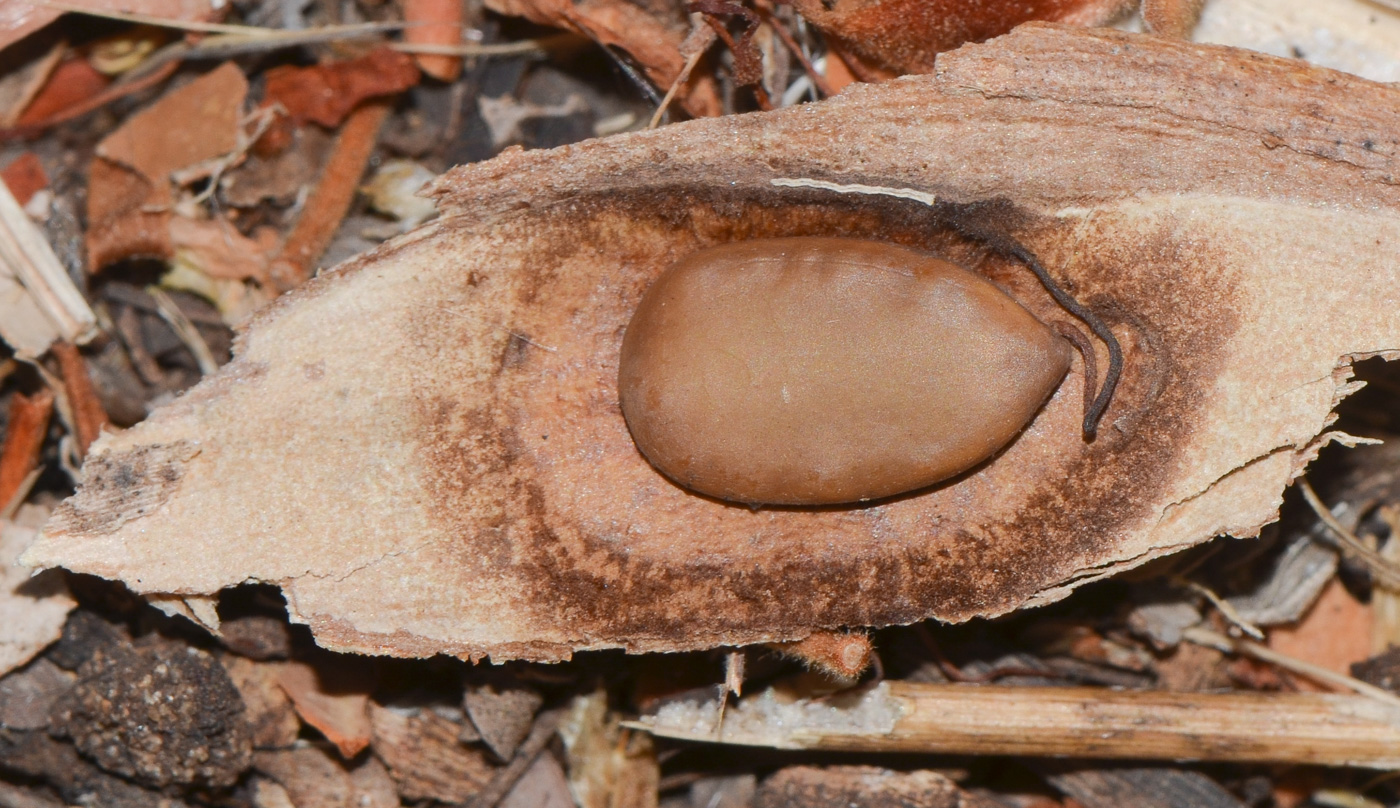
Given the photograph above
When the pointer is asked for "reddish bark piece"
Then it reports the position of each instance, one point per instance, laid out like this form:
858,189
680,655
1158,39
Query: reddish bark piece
325,94
653,40
194,123
25,177
333,700
129,190
435,22
71,84
119,224
1335,633
424,450
335,190
88,414
24,438
893,37
107,96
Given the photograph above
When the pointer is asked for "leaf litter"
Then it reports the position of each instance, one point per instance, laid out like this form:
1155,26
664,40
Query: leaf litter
364,456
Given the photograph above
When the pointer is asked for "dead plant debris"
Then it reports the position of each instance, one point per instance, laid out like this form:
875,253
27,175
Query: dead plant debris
253,487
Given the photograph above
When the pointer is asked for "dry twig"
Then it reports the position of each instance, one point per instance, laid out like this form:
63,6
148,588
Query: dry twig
24,438
335,190
1084,722
88,414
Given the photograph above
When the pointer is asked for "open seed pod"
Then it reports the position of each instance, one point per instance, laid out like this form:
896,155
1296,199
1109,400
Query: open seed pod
424,448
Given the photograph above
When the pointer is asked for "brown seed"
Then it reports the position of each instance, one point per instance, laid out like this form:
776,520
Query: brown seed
816,371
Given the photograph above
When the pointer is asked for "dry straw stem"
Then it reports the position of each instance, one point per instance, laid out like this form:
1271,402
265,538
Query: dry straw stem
335,190
38,302
1349,543
1084,722
1211,639
413,475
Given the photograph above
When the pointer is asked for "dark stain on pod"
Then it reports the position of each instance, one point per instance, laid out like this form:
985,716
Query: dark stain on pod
822,371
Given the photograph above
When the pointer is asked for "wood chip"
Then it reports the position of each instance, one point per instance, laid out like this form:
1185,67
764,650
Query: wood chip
25,431
332,697
312,778
543,785
862,787
328,203
1143,788
502,715
426,758
88,415
272,720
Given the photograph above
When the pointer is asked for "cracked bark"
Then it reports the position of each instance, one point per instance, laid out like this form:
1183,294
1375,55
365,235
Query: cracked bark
394,450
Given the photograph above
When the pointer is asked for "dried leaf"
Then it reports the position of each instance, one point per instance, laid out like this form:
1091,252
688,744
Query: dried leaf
325,94
209,109
1292,584
424,448
25,177
71,83
32,610
543,785
1145,787
129,184
215,248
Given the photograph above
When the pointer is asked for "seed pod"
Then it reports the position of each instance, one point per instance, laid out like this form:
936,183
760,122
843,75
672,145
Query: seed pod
817,371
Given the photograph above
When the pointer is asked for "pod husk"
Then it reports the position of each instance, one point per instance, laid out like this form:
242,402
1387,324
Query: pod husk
423,447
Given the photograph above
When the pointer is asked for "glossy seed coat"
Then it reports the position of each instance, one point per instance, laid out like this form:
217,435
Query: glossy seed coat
818,371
